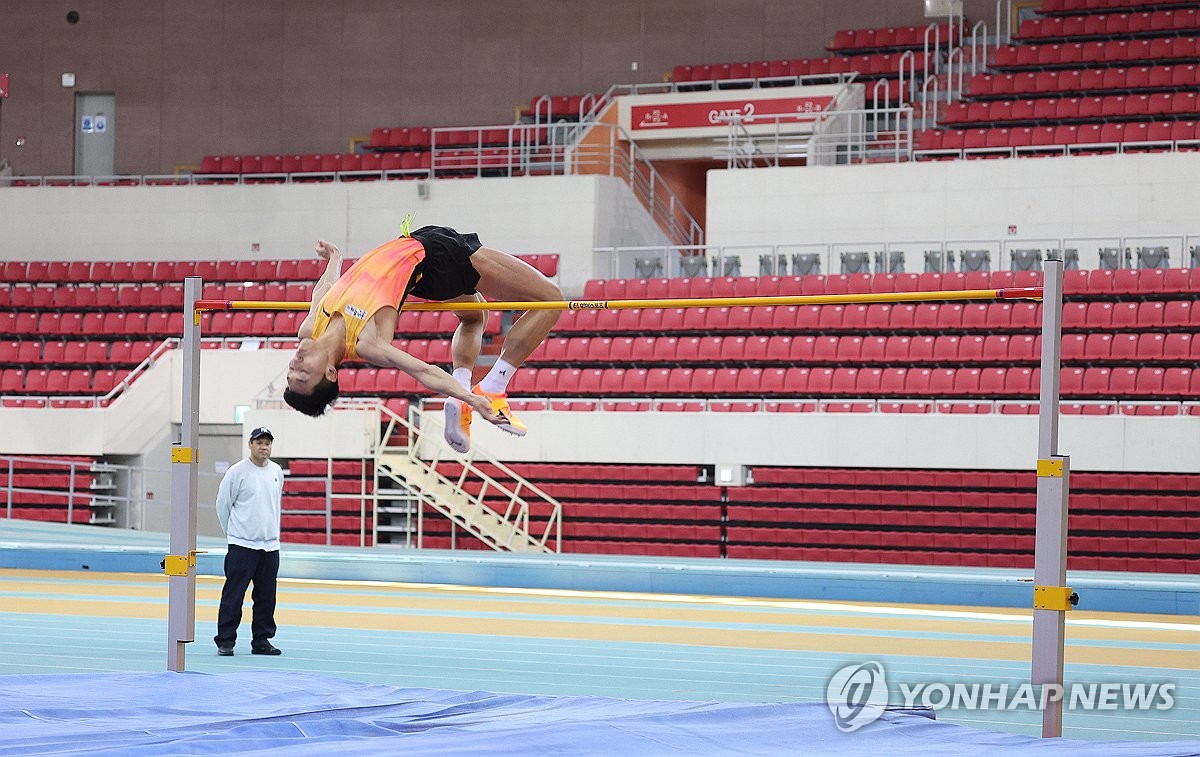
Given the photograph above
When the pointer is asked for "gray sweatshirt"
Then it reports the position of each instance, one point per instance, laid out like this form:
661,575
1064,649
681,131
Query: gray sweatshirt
248,504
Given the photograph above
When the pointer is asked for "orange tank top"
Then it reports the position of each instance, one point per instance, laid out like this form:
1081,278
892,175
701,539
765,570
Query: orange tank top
377,280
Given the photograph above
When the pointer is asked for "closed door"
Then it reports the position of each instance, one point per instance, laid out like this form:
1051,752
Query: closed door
95,128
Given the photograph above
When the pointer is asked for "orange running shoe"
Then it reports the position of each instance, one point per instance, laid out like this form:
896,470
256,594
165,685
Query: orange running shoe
508,420
458,425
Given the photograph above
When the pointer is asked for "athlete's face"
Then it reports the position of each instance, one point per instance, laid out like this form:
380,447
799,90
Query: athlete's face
307,367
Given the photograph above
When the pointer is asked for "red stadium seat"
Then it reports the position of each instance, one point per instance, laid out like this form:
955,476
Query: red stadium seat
896,349
874,349
1179,381
991,382
945,348
12,380
1148,381
824,349
892,381
920,349
1095,381
1099,314
916,382
1178,346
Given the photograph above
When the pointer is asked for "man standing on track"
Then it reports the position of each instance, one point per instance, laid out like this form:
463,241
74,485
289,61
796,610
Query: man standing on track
249,501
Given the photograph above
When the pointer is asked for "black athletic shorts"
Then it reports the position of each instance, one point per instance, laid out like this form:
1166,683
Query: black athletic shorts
446,272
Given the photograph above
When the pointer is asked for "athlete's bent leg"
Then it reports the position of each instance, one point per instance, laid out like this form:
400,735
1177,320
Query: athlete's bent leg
503,277
465,346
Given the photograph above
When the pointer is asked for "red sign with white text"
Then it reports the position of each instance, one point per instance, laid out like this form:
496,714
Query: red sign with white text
688,115
3,85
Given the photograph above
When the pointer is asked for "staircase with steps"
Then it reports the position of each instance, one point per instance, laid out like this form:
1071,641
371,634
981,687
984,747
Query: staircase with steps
480,495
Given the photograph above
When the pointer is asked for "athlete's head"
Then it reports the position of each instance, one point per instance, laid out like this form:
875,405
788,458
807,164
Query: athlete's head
312,380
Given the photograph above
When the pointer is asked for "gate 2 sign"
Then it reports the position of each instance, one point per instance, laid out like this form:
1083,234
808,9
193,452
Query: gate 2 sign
694,114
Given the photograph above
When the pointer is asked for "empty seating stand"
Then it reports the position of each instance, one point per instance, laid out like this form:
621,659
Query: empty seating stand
328,502
870,68
62,489
313,167
618,509
455,152
72,331
402,152
76,345
549,109
875,55
1079,80
415,152
1118,521
891,39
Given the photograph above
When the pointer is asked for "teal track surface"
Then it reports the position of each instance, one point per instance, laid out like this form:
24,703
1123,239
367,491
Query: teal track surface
584,657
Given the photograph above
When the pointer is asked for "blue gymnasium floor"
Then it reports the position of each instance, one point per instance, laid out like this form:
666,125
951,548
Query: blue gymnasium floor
578,656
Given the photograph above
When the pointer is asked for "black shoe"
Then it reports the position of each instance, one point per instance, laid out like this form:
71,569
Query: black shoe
264,648
224,651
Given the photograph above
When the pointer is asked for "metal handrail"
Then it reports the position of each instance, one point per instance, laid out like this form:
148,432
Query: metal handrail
619,156
955,65
935,30
885,85
930,120
1004,22
778,145
739,144
908,57
978,47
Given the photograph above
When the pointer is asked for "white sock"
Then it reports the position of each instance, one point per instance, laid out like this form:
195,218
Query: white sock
496,381
463,375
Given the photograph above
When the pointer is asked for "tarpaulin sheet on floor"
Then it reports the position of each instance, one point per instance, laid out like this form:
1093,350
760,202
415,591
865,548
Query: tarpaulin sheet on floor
277,713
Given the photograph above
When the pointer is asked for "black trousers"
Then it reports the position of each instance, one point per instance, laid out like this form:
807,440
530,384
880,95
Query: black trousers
242,567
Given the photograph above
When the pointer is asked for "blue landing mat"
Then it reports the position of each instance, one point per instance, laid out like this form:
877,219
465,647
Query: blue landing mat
272,713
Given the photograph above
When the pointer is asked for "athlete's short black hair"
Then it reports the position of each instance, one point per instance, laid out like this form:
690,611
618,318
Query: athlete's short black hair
316,403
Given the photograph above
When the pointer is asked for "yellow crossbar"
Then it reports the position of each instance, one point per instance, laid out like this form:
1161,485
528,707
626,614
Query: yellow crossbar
1012,293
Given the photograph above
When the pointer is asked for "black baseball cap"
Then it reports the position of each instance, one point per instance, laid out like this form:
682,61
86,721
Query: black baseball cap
261,431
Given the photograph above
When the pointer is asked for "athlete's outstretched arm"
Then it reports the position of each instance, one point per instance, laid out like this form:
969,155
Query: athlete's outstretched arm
386,355
329,252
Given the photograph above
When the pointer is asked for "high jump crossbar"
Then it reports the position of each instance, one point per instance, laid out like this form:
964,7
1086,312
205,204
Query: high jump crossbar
1051,597
1010,293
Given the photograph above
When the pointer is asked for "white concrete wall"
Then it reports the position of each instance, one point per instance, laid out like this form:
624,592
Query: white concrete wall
620,222
1045,198
135,423
567,215
228,378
